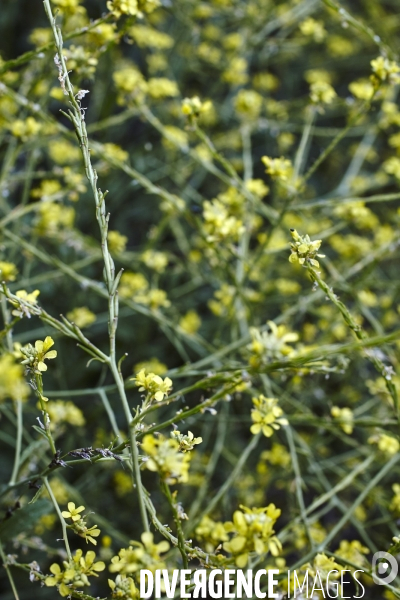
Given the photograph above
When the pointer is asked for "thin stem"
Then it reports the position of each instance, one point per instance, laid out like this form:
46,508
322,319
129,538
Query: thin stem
9,574
62,520
18,444
77,117
181,538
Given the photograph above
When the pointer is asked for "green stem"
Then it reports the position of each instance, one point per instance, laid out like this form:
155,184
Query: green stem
18,444
9,574
62,520
181,538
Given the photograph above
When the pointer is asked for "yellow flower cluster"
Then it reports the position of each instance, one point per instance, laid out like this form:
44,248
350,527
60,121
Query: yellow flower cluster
186,442
165,458
384,70
253,531
8,271
36,355
315,29
116,242
82,316
218,223
322,93
395,503
148,37
123,588
155,260
12,382
278,168
131,7
79,524
140,555
61,411
136,287
266,416
345,418
155,387
266,346
190,322
386,443
194,107
353,551
304,250
25,129
53,218
75,574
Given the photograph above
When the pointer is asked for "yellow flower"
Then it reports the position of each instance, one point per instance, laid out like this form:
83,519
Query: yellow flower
186,442
124,588
304,250
140,555
385,70
266,416
190,322
25,129
116,242
194,107
8,271
132,7
322,93
73,512
82,316
35,356
164,457
314,29
253,532
248,104
345,418
43,352
278,168
386,443
12,382
153,385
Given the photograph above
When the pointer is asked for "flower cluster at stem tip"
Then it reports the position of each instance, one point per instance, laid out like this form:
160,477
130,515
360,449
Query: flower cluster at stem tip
304,250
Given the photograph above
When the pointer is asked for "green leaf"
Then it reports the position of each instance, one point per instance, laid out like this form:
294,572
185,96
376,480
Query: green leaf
24,519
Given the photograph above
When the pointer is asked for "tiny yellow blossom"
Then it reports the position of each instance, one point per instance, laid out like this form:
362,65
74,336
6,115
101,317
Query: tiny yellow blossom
345,418
266,416
304,250
8,271
73,512
153,385
278,168
190,322
322,93
116,242
314,29
35,356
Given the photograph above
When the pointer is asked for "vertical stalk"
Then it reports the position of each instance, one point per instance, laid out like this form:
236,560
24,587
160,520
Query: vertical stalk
9,574
76,114
62,520
181,539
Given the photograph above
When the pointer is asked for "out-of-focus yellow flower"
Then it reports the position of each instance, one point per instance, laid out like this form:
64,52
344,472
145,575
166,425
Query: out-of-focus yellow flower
8,271
190,322
345,418
81,316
